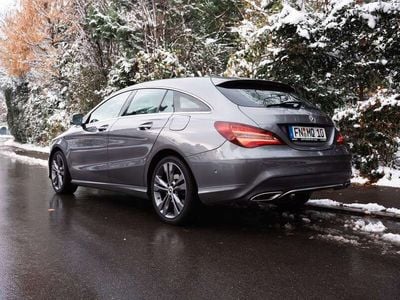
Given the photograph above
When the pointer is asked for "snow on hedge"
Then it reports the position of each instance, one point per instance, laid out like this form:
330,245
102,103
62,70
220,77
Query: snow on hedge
372,130
377,102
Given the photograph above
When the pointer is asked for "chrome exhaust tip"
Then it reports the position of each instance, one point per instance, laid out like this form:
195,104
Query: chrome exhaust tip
265,197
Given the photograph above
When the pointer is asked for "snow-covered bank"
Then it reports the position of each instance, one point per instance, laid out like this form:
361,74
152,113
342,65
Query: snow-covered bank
369,229
366,207
9,141
24,159
5,137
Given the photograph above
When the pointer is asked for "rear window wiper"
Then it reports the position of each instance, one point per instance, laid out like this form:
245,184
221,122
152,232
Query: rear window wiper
294,104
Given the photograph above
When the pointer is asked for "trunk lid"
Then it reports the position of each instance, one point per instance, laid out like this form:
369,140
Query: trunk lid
278,121
278,108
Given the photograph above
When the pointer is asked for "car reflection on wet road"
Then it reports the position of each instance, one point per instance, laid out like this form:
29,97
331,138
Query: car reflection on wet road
105,245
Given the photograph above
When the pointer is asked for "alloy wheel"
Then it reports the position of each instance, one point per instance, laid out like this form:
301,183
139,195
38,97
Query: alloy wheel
57,172
170,190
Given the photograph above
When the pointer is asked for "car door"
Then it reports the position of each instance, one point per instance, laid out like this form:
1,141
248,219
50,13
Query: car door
88,146
133,135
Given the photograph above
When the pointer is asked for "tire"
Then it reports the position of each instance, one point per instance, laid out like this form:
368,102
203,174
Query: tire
173,191
59,174
294,201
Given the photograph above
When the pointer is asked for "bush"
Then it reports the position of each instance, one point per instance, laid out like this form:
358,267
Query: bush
371,128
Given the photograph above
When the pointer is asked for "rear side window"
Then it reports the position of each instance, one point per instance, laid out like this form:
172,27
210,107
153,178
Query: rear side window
146,101
109,109
255,94
168,103
186,103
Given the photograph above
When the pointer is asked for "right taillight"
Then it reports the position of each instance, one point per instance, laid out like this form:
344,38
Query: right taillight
339,138
245,135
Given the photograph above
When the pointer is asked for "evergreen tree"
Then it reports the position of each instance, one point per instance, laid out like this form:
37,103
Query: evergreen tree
335,56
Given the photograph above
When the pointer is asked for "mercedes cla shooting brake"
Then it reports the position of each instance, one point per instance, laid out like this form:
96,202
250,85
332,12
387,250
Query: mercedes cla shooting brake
213,140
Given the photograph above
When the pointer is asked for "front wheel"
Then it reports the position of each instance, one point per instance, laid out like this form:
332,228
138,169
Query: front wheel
173,191
59,175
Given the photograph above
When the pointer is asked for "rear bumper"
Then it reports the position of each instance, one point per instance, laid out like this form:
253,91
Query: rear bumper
231,173
276,195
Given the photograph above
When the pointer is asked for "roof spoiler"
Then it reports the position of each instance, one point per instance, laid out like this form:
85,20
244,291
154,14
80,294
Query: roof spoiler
243,83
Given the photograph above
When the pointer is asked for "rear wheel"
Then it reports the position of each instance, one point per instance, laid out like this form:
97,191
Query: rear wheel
293,201
59,175
173,191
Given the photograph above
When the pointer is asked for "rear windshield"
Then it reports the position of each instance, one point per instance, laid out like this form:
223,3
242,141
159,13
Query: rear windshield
263,96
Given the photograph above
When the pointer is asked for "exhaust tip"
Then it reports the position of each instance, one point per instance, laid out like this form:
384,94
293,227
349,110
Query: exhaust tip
265,197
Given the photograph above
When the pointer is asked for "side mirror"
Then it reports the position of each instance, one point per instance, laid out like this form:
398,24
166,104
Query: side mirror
77,119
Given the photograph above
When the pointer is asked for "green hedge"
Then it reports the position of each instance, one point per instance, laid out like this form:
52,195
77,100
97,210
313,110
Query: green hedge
371,128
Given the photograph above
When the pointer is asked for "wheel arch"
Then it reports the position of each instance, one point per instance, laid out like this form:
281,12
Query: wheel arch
160,155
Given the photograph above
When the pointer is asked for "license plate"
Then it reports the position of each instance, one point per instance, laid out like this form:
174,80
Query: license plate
301,133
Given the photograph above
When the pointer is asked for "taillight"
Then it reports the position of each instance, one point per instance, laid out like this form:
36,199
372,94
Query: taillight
339,138
245,135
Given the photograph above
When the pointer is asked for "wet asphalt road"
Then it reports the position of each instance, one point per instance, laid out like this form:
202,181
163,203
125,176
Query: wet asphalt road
103,245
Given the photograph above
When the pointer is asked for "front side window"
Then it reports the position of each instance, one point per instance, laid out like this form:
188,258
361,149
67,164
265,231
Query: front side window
146,101
186,103
109,109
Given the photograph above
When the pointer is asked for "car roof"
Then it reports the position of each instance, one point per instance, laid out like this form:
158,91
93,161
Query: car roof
200,84
204,88
184,83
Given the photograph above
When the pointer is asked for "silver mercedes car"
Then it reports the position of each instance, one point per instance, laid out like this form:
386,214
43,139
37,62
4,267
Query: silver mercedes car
182,142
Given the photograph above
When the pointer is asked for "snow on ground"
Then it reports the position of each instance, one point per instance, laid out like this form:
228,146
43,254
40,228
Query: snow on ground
355,231
373,230
25,159
339,239
6,137
392,238
29,147
357,179
391,178
393,210
324,202
367,207
369,226
370,207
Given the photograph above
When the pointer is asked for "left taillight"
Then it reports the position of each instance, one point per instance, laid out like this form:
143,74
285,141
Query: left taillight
245,135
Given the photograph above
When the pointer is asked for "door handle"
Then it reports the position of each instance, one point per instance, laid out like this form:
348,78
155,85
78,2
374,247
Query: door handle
103,128
145,126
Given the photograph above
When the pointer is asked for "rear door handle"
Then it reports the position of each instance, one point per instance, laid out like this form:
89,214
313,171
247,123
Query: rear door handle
103,128
145,126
